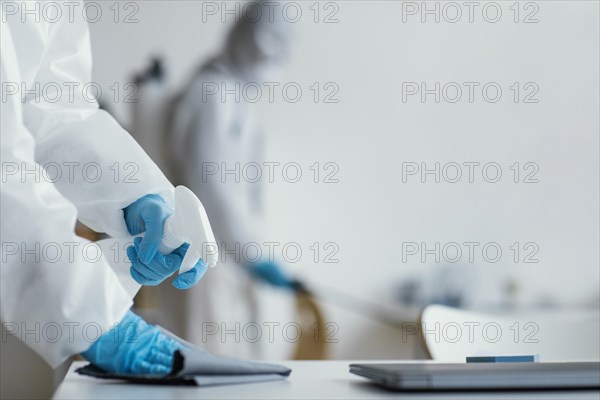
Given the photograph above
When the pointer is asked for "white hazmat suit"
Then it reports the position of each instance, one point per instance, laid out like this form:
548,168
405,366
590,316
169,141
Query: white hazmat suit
92,170
214,138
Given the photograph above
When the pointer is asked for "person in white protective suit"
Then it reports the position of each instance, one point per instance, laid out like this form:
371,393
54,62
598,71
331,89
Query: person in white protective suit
60,132
210,135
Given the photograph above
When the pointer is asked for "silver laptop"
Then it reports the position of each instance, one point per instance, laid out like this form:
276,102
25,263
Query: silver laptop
482,376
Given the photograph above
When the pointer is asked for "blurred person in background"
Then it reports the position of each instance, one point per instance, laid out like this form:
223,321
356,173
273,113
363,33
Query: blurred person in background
211,132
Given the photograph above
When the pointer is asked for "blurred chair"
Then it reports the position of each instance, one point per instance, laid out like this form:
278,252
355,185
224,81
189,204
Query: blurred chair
451,335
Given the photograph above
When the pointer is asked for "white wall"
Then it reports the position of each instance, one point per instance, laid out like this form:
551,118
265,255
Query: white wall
371,132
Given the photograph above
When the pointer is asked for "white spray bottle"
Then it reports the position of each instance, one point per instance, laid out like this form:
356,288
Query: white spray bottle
189,224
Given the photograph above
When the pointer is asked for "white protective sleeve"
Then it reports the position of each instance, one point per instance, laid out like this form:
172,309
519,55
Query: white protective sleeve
103,169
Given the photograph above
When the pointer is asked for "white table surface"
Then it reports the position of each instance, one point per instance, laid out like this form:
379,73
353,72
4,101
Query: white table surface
309,380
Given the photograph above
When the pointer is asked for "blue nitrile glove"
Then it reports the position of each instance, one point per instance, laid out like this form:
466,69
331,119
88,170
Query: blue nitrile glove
149,266
270,273
133,347
161,267
147,214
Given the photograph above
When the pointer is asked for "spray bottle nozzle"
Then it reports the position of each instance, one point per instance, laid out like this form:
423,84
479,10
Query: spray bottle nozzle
189,224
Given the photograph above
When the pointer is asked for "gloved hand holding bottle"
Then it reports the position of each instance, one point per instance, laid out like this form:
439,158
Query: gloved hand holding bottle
133,347
149,266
